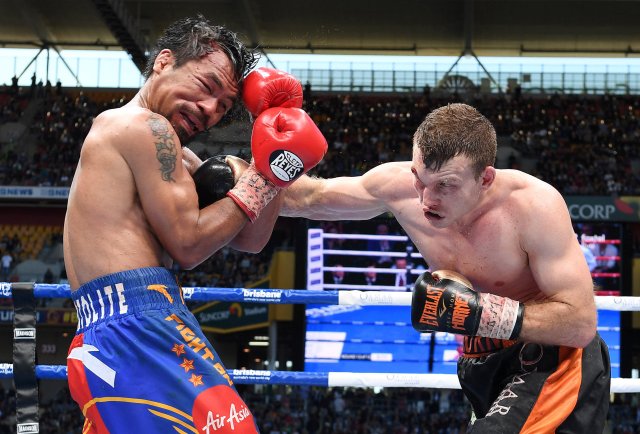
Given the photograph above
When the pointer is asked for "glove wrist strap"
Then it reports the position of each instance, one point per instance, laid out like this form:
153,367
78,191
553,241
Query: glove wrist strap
252,192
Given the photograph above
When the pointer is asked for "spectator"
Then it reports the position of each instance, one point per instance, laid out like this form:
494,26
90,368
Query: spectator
382,245
7,259
589,257
48,276
400,264
371,276
338,274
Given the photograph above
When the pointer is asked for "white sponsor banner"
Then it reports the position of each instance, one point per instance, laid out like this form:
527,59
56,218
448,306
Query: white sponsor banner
24,428
370,298
350,379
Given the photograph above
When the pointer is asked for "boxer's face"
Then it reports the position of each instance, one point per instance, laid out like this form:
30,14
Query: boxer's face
195,95
448,194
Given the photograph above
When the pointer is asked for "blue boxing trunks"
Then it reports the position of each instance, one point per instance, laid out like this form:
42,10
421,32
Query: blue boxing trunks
139,362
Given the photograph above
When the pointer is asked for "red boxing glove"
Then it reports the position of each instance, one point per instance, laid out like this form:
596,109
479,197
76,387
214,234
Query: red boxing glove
285,143
267,87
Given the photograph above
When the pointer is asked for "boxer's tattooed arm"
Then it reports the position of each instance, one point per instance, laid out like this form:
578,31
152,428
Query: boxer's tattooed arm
165,147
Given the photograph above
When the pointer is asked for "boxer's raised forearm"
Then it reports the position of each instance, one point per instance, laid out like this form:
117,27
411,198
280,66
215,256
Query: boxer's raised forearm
254,236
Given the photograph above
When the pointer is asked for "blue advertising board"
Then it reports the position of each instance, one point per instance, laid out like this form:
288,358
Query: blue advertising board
381,339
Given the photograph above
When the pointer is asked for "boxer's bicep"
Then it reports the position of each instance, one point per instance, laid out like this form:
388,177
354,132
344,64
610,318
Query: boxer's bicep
567,314
165,189
168,196
555,258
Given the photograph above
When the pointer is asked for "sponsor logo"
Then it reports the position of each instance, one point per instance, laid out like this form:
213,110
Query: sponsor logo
187,293
162,289
107,302
213,316
28,428
219,421
236,309
403,379
6,368
376,297
26,333
285,165
431,312
627,301
591,212
261,294
250,373
461,311
5,289
220,409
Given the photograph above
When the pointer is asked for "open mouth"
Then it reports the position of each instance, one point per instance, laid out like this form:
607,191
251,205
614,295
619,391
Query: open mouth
430,215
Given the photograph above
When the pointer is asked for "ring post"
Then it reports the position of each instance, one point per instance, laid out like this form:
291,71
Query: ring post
24,357
315,259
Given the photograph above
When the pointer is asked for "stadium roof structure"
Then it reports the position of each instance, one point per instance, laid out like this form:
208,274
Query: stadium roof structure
400,27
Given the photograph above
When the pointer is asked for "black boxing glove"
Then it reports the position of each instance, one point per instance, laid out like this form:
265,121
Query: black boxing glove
445,301
213,180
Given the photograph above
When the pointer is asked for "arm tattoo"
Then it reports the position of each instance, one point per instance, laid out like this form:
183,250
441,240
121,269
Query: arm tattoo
165,148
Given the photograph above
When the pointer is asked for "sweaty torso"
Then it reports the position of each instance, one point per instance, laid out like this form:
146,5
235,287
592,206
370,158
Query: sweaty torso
105,227
489,252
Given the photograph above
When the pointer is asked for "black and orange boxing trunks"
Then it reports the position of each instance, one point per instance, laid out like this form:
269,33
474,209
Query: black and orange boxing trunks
517,387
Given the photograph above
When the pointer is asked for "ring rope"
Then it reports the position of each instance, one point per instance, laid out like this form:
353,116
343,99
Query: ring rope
326,235
303,296
368,253
377,270
327,379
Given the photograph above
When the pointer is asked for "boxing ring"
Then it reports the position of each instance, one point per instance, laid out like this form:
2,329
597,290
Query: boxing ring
25,372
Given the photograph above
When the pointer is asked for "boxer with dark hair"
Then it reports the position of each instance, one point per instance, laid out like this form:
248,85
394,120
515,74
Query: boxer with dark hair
139,362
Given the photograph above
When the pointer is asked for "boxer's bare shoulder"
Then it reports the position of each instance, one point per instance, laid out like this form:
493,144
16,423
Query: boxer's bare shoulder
390,181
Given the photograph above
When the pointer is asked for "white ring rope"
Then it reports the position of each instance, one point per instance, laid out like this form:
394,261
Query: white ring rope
368,253
364,237
377,270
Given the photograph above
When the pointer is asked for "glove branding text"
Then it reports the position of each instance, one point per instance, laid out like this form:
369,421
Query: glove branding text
461,311
285,165
430,312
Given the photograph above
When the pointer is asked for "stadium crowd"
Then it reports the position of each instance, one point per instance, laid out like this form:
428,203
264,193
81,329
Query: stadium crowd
318,410
579,144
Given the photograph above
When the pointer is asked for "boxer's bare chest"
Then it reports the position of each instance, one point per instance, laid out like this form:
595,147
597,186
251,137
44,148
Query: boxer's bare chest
489,254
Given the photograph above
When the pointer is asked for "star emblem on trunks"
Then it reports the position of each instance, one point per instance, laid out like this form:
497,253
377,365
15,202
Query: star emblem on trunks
178,349
196,380
187,365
